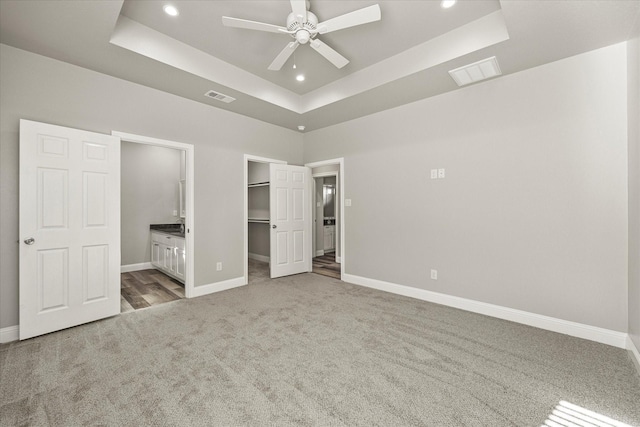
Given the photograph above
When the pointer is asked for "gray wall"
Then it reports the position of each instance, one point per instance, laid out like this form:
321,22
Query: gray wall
37,88
532,213
633,116
148,195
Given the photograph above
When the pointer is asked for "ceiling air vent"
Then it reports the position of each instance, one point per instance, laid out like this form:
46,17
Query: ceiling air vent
219,96
476,72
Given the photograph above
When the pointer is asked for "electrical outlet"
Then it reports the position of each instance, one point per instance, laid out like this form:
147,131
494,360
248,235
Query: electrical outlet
441,173
434,173
434,274
219,266
347,202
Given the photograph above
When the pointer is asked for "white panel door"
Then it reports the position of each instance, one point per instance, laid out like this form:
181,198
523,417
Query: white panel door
69,227
290,214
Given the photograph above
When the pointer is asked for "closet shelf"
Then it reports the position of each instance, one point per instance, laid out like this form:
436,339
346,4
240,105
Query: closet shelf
258,184
259,220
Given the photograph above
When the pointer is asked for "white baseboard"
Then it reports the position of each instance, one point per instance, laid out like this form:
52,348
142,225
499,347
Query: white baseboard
136,267
218,287
605,336
257,257
634,353
319,253
10,333
601,335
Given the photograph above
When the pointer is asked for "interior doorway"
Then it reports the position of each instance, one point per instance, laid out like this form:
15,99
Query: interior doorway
326,239
278,217
167,271
257,211
152,225
328,208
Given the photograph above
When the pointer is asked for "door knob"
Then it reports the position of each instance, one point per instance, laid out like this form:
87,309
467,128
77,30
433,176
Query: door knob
274,226
30,241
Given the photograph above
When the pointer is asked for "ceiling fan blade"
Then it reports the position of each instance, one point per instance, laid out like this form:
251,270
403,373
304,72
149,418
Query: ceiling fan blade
351,19
283,56
332,56
251,25
299,8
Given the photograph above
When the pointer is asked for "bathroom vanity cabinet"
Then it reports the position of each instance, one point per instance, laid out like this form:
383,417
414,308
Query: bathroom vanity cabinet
168,254
329,237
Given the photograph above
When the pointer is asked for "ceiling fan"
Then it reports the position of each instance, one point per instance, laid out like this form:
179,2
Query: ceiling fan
303,26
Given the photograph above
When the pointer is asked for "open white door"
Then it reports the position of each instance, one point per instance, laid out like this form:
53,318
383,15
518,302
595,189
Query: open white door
69,227
290,219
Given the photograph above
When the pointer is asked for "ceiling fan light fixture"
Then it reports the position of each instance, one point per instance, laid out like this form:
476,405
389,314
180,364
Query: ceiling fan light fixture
303,36
446,4
171,10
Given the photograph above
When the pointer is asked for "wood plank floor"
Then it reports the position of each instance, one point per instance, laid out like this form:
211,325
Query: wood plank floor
146,288
327,265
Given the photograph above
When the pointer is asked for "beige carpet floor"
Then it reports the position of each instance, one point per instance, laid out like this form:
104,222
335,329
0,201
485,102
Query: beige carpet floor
308,350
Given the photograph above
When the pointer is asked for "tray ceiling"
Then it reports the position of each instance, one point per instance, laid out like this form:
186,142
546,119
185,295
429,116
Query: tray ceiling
401,58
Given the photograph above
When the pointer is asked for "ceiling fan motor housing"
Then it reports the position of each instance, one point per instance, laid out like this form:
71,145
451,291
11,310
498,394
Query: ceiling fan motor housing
305,32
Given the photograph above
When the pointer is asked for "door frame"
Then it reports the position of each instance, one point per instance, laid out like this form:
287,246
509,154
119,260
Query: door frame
189,197
340,219
250,158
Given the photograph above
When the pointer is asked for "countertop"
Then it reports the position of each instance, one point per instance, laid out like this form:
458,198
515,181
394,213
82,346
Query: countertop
172,229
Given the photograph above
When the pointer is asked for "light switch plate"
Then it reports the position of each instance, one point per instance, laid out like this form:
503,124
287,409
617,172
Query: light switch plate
434,173
440,173
347,202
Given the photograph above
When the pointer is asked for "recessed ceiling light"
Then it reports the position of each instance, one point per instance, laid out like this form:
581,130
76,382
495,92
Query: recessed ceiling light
300,128
446,4
170,10
300,77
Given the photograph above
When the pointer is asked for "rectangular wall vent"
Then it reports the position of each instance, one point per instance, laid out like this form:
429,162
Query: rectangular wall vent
476,72
219,96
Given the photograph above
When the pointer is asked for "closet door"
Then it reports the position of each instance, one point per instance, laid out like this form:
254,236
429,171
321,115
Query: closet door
290,213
